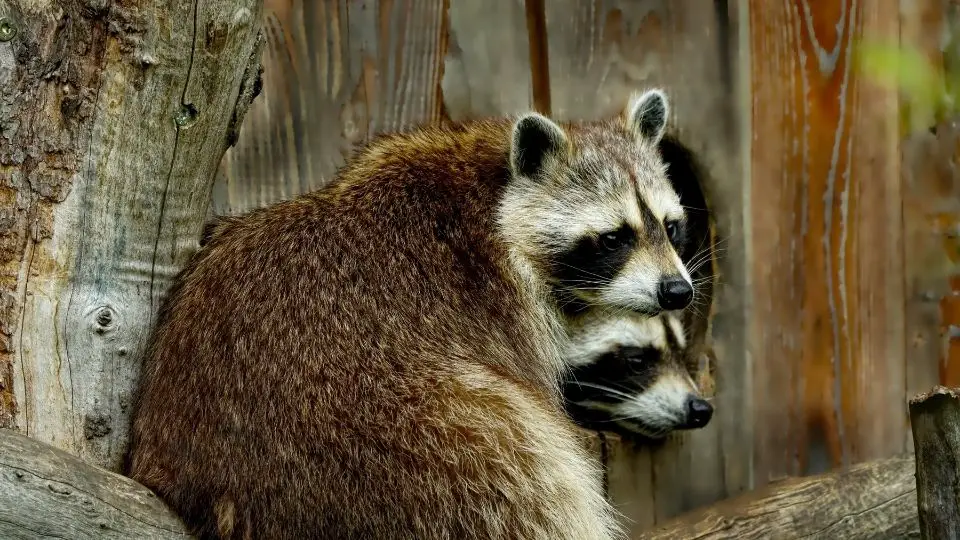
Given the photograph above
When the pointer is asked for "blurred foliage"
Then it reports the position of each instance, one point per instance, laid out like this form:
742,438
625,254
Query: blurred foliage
929,93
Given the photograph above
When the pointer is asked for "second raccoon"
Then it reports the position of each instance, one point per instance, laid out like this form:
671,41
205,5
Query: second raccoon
632,374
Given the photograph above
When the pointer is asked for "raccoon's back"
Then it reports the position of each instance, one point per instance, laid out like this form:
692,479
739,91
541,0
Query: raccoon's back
305,378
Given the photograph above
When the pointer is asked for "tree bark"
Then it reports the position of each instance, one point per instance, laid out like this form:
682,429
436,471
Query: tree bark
872,500
48,493
935,420
113,119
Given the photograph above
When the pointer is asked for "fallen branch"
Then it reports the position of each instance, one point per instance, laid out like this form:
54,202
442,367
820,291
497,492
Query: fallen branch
872,500
935,420
48,493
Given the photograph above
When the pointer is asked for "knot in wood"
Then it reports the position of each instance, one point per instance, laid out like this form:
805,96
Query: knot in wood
186,116
104,319
8,29
97,425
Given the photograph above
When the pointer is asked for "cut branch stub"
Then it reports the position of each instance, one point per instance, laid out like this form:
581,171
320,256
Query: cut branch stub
935,420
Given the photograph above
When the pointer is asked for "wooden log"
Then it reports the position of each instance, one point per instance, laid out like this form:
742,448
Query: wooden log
48,493
872,500
935,420
114,117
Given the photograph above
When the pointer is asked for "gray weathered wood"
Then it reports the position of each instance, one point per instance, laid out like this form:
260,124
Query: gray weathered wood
487,66
335,73
935,421
871,501
48,493
114,118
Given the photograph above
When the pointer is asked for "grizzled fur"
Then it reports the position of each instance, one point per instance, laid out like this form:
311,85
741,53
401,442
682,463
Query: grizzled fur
381,358
632,374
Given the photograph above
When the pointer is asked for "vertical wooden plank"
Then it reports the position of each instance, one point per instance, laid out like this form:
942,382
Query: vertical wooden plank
827,323
335,73
487,66
600,52
931,204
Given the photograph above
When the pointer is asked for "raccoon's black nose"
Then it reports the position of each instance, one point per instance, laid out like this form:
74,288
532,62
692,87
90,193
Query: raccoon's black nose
699,412
674,293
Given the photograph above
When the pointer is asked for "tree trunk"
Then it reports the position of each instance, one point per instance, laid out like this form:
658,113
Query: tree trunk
113,119
935,420
872,500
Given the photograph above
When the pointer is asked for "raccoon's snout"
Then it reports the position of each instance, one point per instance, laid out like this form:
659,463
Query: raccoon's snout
674,293
699,413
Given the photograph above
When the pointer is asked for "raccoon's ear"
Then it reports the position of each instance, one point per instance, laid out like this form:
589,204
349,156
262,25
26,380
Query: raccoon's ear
647,114
536,139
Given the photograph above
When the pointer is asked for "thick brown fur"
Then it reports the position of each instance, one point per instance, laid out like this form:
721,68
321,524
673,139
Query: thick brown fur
365,362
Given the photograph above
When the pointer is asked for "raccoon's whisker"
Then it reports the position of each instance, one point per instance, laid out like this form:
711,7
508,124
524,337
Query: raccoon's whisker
698,262
602,388
578,269
699,259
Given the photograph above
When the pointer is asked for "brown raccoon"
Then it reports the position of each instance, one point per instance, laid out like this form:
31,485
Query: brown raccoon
381,358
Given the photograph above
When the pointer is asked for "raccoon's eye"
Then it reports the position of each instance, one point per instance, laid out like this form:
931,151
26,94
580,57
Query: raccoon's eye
673,230
615,240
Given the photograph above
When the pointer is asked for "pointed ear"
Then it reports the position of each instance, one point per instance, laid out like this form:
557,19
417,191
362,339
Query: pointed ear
536,140
647,114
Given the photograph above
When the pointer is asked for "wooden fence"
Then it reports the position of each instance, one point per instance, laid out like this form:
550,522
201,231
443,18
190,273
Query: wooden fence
836,199
836,203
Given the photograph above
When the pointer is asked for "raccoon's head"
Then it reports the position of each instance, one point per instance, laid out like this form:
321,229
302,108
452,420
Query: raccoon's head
632,375
591,207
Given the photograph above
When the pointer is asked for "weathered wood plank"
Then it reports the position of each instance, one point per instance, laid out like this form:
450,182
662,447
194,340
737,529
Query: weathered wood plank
114,122
827,323
48,493
931,202
487,66
871,501
335,73
600,52
935,421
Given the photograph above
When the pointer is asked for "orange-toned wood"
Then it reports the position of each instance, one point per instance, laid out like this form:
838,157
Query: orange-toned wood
827,327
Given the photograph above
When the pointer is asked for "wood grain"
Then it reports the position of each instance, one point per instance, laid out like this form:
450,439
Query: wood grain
112,135
931,204
600,52
871,501
935,421
827,326
335,73
487,68
48,493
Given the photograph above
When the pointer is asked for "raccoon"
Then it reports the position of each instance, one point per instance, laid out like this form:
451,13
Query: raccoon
631,374
381,358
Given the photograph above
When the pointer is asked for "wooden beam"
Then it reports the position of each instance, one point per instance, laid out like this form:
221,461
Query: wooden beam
826,328
935,420
48,493
336,72
872,500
